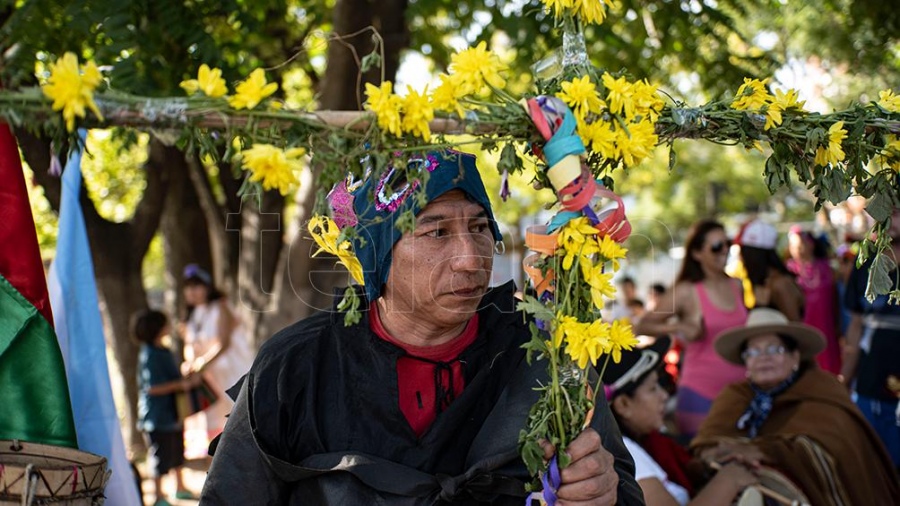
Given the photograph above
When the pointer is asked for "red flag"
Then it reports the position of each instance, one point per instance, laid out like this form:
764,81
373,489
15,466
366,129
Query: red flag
20,263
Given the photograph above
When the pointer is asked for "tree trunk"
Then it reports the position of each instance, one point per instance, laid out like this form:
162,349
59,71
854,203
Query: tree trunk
183,226
391,23
262,237
121,292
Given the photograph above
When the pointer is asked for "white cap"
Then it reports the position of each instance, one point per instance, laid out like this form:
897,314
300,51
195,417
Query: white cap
757,234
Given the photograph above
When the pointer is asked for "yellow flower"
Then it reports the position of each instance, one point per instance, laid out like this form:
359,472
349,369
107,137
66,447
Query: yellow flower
621,337
348,258
636,143
581,96
600,283
475,68
586,343
612,251
417,112
446,96
599,136
646,99
593,11
326,232
891,153
72,88
752,95
274,167
618,95
386,106
773,115
572,240
251,92
889,101
833,153
209,81
788,100
559,7
564,325
590,11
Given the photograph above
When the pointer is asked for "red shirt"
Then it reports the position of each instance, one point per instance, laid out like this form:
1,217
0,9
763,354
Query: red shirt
427,373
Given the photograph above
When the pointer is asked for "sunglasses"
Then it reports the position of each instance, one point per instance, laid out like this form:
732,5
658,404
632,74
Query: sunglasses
720,246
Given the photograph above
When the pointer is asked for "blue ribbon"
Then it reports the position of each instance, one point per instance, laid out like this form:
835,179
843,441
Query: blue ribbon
564,141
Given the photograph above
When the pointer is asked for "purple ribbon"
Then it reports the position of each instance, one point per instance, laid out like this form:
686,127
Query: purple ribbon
551,481
591,215
504,186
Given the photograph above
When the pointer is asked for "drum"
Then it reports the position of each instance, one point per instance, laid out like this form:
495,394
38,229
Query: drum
35,474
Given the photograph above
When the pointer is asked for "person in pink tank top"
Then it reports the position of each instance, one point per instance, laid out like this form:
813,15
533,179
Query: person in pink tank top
704,303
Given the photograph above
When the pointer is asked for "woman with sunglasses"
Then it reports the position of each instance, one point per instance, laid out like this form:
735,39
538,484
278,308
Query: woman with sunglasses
793,417
703,303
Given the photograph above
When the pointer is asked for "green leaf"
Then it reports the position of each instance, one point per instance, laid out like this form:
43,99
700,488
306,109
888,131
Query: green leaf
533,456
509,159
350,305
814,138
370,61
880,206
535,308
777,174
880,277
839,186
673,157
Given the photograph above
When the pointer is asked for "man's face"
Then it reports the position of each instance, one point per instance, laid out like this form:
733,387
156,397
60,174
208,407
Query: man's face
441,269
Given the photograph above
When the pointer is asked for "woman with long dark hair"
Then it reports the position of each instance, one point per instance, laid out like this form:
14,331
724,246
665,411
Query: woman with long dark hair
773,284
704,302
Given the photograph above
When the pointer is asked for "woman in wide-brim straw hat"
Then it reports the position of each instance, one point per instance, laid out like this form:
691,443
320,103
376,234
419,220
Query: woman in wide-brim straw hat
794,417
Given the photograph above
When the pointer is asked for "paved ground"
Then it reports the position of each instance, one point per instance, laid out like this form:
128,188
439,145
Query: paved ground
194,476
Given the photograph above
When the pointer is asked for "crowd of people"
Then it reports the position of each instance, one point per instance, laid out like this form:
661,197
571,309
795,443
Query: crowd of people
422,401
772,339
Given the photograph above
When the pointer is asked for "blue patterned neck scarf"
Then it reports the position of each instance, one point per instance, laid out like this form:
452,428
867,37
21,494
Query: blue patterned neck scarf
761,405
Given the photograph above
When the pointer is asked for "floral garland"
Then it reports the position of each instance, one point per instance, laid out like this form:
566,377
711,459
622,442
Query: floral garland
579,126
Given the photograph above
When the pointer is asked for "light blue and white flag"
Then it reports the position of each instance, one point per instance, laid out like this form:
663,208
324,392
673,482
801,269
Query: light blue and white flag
76,315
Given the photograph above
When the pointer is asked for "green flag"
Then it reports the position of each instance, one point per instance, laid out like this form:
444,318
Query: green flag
34,394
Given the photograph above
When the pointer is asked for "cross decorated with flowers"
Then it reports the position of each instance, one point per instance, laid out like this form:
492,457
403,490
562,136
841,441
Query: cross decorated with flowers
578,127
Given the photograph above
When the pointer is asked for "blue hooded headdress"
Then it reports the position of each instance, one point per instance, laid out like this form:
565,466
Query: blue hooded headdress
377,204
